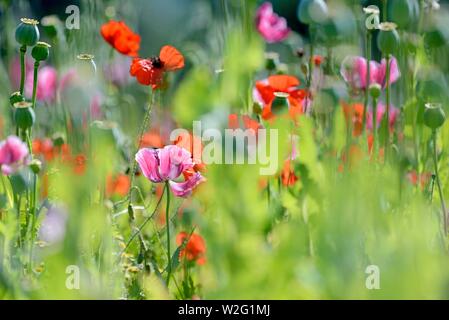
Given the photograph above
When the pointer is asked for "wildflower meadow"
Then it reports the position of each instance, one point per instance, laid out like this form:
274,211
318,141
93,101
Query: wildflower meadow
224,149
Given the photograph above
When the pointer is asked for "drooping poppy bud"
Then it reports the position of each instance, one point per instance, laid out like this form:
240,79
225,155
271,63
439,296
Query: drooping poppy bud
35,166
388,38
24,115
434,116
27,33
41,51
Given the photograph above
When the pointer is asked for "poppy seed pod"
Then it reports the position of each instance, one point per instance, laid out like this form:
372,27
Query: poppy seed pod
15,97
312,11
434,116
41,51
280,103
375,90
404,12
27,33
388,38
24,115
35,166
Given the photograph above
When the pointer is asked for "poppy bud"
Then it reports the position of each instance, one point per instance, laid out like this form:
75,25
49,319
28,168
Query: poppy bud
280,103
404,12
41,51
312,11
15,97
375,90
388,38
271,61
24,115
27,33
257,108
35,166
434,116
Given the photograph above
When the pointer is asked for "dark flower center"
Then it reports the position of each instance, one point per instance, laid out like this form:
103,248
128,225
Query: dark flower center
157,63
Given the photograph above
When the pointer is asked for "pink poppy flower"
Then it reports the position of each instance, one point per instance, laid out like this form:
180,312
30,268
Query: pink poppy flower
46,84
354,70
272,27
13,154
381,109
168,164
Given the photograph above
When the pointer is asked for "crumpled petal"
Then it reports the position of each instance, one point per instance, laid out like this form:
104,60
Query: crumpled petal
148,162
173,161
184,189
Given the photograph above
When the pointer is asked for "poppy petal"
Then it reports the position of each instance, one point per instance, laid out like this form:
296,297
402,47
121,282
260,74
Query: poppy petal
172,58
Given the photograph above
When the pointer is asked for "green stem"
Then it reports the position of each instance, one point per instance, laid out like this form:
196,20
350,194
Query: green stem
23,50
167,222
368,76
36,68
133,162
385,8
374,151
437,177
387,111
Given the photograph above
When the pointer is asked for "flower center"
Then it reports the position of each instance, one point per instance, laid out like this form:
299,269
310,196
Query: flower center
156,62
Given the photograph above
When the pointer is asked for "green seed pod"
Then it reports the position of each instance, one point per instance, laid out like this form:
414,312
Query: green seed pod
403,12
15,97
375,90
35,166
388,38
27,33
280,103
24,115
50,24
41,51
312,11
271,61
434,116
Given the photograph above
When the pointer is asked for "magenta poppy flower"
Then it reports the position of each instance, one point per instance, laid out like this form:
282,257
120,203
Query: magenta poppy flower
272,27
47,84
167,165
13,154
354,70
381,109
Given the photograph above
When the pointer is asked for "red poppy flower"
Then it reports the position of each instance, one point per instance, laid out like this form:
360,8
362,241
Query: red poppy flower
194,145
121,37
354,114
194,250
151,139
288,176
265,89
248,123
117,185
151,71
317,60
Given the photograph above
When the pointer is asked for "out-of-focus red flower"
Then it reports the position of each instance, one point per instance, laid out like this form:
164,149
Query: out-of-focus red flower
121,37
248,123
317,60
423,178
354,115
79,164
117,185
151,139
150,72
194,250
288,177
265,89
44,147
194,145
